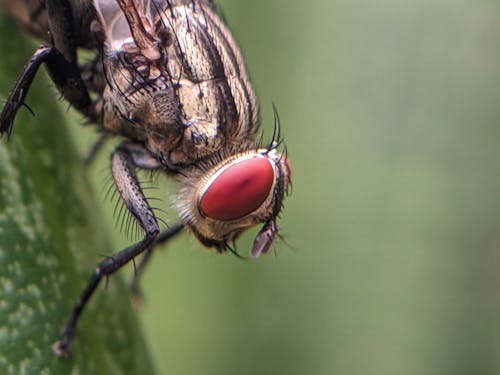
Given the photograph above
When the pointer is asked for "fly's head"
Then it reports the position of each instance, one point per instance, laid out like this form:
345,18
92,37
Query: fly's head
219,201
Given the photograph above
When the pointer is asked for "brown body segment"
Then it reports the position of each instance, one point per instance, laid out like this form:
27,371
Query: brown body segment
193,99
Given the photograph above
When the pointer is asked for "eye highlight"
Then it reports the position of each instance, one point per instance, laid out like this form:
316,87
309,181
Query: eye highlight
239,190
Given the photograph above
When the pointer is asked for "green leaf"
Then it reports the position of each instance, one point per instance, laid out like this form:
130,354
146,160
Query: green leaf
51,237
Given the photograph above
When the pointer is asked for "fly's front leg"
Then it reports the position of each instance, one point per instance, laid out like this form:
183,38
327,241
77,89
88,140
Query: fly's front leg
123,164
61,62
65,78
61,28
68,78
144,160
164,236
96,147
21,88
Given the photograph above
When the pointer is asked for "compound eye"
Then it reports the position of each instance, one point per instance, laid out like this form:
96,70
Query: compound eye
238,190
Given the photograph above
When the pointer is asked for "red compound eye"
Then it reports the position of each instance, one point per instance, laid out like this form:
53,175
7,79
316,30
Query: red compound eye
239,190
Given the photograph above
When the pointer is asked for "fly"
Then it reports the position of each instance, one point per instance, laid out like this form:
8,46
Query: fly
169,76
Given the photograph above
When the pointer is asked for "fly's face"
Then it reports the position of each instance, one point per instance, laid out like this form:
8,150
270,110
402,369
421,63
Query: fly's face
241,191
176,80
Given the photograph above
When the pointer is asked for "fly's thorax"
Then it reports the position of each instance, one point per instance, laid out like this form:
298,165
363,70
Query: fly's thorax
219,202
181,88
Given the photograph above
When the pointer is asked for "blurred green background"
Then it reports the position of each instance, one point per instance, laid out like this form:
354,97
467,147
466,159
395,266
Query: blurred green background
391,113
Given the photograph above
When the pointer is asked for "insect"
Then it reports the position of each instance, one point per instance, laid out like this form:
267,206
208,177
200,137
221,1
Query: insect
168,76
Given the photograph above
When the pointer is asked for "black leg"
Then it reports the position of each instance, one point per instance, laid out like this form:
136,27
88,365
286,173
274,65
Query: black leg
65,75
96,147
169,233
61,28
18,93
123,170
164,236
60,59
